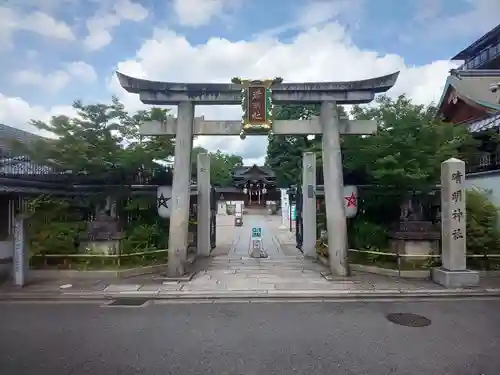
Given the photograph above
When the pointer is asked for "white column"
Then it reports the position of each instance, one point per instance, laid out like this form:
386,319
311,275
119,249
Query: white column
453,273
334,190
285,208
178,233
309,203
203,180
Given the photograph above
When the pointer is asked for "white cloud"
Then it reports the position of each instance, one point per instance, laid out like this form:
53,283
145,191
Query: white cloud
428,9
45,25
83,71
318,54
56,81
318,12
101,25
17,113
200,12
12,20
482,16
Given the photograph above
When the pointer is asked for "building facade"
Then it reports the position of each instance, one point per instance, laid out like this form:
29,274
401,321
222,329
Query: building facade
253,185
484,53
471,98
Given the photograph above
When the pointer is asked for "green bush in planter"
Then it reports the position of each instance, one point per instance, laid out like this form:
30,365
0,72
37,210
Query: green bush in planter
483,234
363,234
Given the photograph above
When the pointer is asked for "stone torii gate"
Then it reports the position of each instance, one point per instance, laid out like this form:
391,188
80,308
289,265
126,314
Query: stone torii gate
257,99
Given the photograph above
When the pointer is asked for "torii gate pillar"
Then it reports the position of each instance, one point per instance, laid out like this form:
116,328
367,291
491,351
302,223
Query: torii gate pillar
334,190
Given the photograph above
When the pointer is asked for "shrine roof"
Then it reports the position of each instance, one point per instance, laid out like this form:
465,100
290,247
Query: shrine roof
240,172
349,92
490,122
473,87
9,134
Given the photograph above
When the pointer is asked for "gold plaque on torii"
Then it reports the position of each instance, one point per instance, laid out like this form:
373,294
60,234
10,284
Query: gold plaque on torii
257,106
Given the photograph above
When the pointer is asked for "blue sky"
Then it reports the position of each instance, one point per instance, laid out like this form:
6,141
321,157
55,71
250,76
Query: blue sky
55,51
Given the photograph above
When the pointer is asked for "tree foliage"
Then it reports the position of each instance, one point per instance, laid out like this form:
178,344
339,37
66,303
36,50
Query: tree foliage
221,165
99,138
284,153
483,235
410,144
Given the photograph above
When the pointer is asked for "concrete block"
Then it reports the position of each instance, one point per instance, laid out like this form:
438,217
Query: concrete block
455,279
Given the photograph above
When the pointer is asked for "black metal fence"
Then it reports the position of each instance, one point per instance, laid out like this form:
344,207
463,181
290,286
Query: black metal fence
213,218
483,163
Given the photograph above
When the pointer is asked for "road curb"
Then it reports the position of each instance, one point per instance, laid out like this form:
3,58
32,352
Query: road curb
274,294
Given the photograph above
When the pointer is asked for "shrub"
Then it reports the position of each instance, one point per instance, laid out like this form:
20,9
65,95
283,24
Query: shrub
483,234
364,234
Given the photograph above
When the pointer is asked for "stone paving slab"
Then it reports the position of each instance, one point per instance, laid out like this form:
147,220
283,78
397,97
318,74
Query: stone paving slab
122,288
152,288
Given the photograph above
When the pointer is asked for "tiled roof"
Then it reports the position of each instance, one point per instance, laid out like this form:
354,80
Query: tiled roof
8,133
240,171
485,124
473,86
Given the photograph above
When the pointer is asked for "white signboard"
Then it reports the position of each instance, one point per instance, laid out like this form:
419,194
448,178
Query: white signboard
164,201
20,256
285,208
350,200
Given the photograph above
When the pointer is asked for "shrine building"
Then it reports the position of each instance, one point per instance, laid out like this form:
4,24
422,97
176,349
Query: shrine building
471,98
253,185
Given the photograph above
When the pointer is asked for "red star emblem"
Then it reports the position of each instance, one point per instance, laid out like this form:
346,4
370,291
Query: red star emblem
351,200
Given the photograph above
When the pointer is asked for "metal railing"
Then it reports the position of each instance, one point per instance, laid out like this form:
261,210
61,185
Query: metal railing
401,256
116,259
482,58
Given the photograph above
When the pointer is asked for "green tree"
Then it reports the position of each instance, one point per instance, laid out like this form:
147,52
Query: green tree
100,138
284,153
409,146
403,159
221,165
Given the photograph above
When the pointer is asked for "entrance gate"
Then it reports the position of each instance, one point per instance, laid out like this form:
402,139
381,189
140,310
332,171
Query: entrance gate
257,99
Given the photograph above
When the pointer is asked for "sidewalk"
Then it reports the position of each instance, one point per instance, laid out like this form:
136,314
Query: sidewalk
234,275
230,278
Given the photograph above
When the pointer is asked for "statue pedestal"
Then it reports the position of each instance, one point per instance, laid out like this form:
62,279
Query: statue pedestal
417,239
102,237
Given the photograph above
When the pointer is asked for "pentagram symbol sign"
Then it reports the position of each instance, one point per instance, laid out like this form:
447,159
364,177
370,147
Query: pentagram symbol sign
351,200
162,201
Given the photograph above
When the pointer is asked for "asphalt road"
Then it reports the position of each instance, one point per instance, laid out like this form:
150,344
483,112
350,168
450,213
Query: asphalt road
250,338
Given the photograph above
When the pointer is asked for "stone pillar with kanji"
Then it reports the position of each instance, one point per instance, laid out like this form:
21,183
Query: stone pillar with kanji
453,272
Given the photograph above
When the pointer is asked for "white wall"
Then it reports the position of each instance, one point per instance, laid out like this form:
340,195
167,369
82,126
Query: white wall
487,182
6,249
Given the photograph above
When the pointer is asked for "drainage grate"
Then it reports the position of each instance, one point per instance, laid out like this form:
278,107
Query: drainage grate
129,302
409,320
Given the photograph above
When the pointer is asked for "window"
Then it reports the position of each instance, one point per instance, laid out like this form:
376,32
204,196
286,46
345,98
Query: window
484,56
495,50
